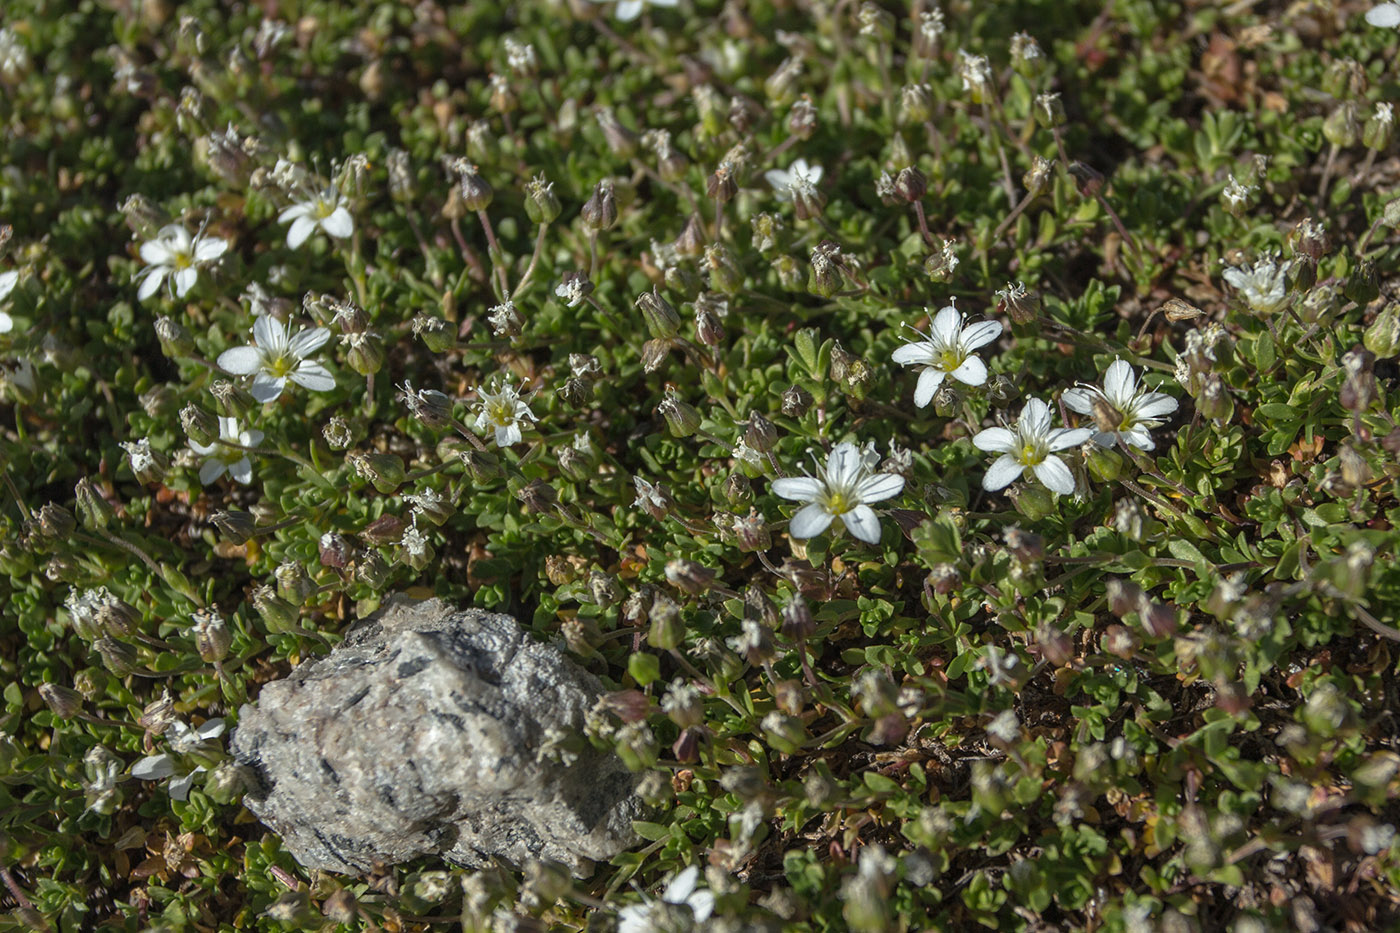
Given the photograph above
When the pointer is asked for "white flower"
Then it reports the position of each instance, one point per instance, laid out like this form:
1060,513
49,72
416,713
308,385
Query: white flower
222,458
843,487
1030,445
681,892
325,209
502,411
975,71
1264,285
799,179
185,739
278,357
1384,14
1385,113
1236,194
176,254
1140,410
947,351
7,285
628,10
573,290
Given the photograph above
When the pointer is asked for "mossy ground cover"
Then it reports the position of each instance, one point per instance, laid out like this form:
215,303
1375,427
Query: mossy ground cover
1073,607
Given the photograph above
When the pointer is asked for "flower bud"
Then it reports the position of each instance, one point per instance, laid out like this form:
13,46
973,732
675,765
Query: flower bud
760,434
175,340
666,630
541,204
373,571
689,576
477,193
600,210
482,465
725,275
1027,59
637,746
802,118
1104,465
226,784
798,623
278,614
384,470
1358,390
64,702
435,333
797,401
751,532
737,489
910,184
93,507
1342,127
621,141
143,217
334,551
1362,286
1055,646
230,401
1344,77
682,418
1034,502
785,733
1214,401
212,637
1380,128
708,328
1050,110
366,353
1124,596
293,583
661,318
200,426
721,186
117,656
415,549
939,266
158,402
1382,337
537,496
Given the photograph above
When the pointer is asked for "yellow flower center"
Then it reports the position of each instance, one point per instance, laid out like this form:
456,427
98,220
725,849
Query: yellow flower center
1031,454
501,412
323,209
951,359
182,260
280,365
838,504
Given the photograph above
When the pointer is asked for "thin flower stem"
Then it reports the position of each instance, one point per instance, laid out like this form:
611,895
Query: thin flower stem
127,546
1327,173
1016,211
923,223
478,271
534,259
1008,181
497,257
592,254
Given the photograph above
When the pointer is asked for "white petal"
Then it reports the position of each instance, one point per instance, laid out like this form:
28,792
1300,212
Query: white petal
250,438
153,277
995,440
180,787
184,281
153,768
979,334
843,464
300,230
629,10
1154,405
1119,383
972,372
156,252
294,212
1035,418
7,283
946,326
1004,471
508,435
863,523
929,381
814,174
702,903
267,387
919,352
1139,437
1106,440
1080,400
339,224
210,248
1236,278
1055,475
242,471
779,179
7,323
270,335
681,886
1065,438
801,488
308,341
240,361
212,729
1384,15
879,487
810,520
211,470
313,376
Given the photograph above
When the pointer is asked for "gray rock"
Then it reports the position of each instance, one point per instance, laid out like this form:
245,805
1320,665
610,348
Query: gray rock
420,735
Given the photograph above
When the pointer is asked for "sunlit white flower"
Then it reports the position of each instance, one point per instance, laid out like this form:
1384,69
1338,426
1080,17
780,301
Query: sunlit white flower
628,10
502,411
183,740
843,487
1136,409
7,285
948,350
1236,195
682,892
277,357
1384,15
325,209
1030,444
221,458
975,71
1263,285
798,179
573,289
176,254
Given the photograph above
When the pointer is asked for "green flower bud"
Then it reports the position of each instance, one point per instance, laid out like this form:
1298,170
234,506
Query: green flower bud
1362,286
541,204
175,340
93,507
373,571
681,417
230,401
64,702
661,318
293,584
477,193
278,614
1214,401
435,333
212,637
1027,59
117,656
1104,465
1342,126
200,426
1383,335
1050,110
600,210
227,782
384,470
666,631
725,275
637,746
1035,502
366,353
1380,128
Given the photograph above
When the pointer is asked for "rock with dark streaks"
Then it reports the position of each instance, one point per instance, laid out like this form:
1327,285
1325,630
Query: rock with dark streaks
425,733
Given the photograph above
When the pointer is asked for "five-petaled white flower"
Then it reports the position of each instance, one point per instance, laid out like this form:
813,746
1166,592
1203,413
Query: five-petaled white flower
1136,410
7,285
1030,445
176,254
502,411
683,891
325,209
844,487
628,10
225,459
1264,285
799,178
947,351
1384,14
277,357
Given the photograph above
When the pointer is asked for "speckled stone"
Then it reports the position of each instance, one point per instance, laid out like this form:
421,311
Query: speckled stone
420,735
